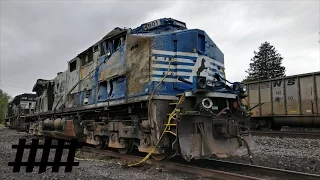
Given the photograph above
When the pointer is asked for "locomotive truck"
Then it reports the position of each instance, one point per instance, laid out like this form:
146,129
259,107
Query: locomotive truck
288,101
157,88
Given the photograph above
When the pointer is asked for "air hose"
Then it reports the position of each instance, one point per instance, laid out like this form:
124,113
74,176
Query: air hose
248,148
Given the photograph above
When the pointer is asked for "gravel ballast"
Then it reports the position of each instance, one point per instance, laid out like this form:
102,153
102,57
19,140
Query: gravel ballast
296,154
107,170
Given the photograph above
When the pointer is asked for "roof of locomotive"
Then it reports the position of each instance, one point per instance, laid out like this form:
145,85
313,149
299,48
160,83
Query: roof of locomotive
158,26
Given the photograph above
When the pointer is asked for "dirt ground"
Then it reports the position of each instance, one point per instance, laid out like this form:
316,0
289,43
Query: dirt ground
107,170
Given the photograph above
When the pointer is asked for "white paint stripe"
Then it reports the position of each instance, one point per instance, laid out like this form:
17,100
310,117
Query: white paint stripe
214,67
172,66
158,79
217,62
172,73
182,59
173,60
165,80
154,51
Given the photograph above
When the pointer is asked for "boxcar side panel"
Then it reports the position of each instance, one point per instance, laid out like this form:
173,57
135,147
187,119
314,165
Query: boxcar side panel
265,96
307,95
278,97
254,98
292,96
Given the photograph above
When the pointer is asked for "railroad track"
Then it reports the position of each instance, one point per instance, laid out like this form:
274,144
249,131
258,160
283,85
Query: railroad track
293,134
211,166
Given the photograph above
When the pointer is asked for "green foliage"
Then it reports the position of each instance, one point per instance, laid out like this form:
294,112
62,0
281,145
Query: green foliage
266,64
4,97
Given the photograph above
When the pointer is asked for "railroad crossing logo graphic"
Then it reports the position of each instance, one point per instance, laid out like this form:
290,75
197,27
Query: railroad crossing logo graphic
47,146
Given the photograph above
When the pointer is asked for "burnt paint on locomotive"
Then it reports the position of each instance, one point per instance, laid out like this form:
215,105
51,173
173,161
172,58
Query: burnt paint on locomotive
120,81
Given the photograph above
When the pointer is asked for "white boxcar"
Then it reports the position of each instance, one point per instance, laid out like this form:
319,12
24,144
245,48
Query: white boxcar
289,101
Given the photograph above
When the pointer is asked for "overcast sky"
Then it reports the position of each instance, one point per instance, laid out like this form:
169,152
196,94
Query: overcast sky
39,37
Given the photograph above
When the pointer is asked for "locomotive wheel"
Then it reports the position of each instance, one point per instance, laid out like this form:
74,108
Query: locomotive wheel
159,157
128,148
102,144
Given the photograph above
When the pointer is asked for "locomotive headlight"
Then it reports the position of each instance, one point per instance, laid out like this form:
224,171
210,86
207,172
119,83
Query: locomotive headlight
201,83
207,103
244,88
239,87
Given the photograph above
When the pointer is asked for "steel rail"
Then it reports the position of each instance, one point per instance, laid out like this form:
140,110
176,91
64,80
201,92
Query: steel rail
292,134
211,165
204,172
267,171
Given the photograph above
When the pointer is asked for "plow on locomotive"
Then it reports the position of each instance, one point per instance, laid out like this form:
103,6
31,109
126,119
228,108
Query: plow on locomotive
159,88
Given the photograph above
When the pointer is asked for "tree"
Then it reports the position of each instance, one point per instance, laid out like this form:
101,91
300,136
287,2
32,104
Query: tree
266,64
4,97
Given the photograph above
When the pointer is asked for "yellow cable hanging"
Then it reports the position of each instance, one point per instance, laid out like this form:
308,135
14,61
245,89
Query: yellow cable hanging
173,113
224,73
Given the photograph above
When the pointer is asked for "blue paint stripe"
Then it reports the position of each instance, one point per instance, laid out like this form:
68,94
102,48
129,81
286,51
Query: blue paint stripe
214,64
175,63
169,76
172,70
213,74
214,70
175,56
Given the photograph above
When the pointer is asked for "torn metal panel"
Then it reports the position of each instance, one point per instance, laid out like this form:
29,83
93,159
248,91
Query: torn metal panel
114,66
73,75
138,64
86,78
60,89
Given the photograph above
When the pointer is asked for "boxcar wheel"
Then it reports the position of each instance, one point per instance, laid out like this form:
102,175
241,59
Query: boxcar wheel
276,128
265,124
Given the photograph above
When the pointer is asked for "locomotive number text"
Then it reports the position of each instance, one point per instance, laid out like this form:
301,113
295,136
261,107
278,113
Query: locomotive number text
151,24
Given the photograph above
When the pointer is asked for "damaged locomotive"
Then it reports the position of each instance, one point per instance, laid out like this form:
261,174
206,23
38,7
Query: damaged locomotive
159,88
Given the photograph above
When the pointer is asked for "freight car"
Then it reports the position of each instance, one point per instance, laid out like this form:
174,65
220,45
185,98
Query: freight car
289,101
21,105
159,88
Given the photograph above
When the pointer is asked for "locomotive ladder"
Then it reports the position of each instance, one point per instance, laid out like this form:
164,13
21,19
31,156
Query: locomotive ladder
174,116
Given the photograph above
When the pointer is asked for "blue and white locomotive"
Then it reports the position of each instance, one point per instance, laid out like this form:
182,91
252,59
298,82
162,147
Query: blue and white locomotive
159,88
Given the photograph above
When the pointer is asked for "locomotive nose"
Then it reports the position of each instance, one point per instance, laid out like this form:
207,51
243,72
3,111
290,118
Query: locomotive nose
204,136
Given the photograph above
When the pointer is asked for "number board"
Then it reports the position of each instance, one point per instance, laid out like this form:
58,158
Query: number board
180,24
151,24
